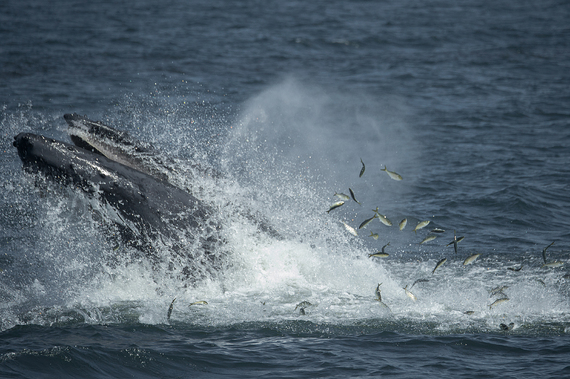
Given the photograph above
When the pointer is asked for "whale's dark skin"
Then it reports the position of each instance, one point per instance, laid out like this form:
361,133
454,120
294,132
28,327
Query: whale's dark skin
150,208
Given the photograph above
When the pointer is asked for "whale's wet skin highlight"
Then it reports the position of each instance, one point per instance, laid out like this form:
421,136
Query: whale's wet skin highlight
334,190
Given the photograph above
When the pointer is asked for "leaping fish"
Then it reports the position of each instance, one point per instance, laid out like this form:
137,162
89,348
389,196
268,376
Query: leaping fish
403,224
373,235
455,242
366,222
335,205
383,219
419,281
362,169
552,264
352,195
350,229
410,295
544,252
379,254
439,264
421,225
392,174
470,259
342,196
170,309
498,301
427,239
378,292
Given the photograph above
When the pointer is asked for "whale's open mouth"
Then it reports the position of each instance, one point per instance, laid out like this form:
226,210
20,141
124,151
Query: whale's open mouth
129,178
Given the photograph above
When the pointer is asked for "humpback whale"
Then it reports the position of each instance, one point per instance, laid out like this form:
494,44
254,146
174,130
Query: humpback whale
130,178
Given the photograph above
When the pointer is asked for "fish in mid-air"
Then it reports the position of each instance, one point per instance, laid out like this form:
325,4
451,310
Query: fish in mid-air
378,292
170,309
498,301
199,302
373,235
544,252
439,264
383,219
362,169
380,254
352,195
455,242
419,281
470,259
427,239
552,264
366,222
403,224
392,174
336,205
410,295
350,229
342,196
421,225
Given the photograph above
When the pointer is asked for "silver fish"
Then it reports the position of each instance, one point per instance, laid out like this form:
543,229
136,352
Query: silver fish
350,229
342,196
378,292
352,195
170,309
455,242
514,268
471,259
383,219
336,205
379,255
427,239
439,264
392,174
362,169
498,301
410,295
437,230
373,235
383,247
552,264
544,252
403,224
366,222
419,281
421,225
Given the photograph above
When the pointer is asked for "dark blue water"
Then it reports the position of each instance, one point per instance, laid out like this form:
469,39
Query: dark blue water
469,102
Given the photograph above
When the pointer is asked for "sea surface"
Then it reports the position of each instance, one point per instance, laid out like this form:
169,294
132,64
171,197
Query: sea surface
469,101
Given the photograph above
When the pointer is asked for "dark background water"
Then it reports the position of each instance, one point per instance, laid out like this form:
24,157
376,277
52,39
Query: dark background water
469,101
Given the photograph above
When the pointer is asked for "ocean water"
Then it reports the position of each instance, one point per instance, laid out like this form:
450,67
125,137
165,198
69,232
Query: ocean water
467,101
